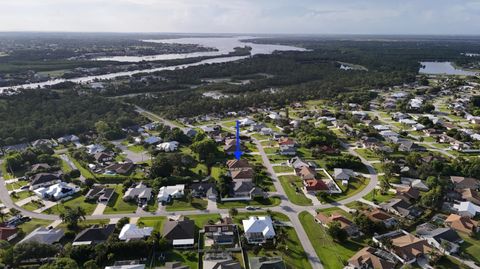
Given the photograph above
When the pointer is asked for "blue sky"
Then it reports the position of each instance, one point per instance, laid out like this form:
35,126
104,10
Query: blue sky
244,16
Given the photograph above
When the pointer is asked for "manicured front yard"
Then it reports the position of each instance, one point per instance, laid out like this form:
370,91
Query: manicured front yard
471,247
377,197
291,184
367,154
269,202
33,224
182,205
18,196
118,205
354,186
282,169
85,172
136,148
16,185
332,254
76,201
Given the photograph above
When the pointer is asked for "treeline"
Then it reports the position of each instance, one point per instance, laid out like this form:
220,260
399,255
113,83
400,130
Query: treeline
48,114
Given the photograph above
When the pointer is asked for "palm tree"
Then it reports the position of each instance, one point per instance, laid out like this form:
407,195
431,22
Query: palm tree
72,216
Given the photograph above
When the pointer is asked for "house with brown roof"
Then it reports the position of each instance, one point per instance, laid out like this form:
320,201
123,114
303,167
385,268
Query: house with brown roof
471,196
460,183
369,257
462,224
408,194
307,173
378,215
242,175
406,247
238,164
8,233
180,232
345,224
314,185
285,141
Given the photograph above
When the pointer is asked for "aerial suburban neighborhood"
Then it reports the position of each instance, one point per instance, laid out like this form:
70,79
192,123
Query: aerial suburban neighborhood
360,187
158,134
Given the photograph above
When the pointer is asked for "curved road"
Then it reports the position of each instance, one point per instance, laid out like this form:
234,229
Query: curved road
286,207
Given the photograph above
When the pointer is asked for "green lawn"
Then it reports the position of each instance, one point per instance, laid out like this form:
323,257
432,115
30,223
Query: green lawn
16,185
155,222
183,205
378,197
85,172
136,148
76,201
33,205
355,185
270,150
332,255
294,257
282,169
289,184
217,171
200,169
367,154
33,224
269,202
18,196
471,247
117,205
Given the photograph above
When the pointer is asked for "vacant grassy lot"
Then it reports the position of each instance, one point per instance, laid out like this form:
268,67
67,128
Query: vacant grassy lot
183,204
136,148
367,154
76,201
377,197
290,184
332,255
18,196
269,202
282,169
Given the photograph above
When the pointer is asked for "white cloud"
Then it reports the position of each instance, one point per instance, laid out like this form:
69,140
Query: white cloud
261,16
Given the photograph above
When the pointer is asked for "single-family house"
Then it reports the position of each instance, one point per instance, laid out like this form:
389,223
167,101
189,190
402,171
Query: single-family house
43,235
345,224
68,139
460,183
44,180
103,157
38,167
468,209
444,239
133,232
275,262
378,215
222,233
462,224
167,193
94,235
287,150
57,191
406,247
123,168
204,190
180,232
471,196
168,146
343,174
140,193
258,229
95,148
8,233
372,258
152,140
219,260
100,194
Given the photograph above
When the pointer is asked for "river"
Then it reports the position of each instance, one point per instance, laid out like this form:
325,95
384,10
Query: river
224,45
443,68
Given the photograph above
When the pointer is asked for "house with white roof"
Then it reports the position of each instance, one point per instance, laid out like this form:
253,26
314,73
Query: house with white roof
167,193
258,229
246,122
168,146
468,209
132,232
95,148
387,134
56,191
380,127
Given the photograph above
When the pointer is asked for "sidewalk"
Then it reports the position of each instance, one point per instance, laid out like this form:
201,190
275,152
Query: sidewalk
27,200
